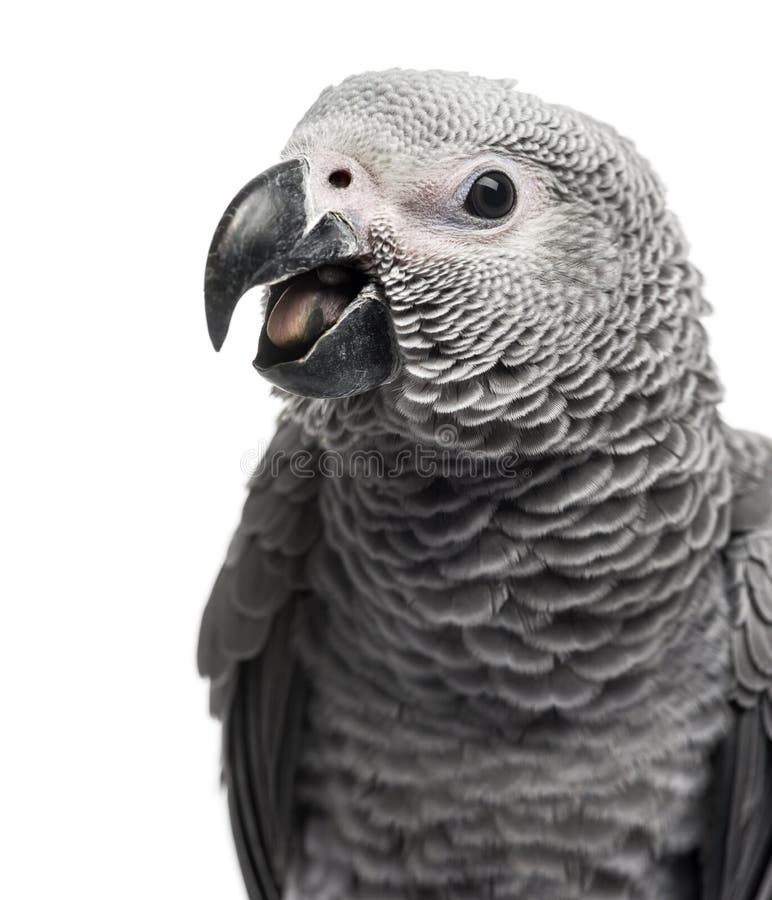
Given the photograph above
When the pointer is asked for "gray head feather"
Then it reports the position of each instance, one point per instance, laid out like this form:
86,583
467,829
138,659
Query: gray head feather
563,330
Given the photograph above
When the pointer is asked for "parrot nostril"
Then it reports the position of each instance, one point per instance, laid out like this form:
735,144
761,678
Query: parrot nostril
340,178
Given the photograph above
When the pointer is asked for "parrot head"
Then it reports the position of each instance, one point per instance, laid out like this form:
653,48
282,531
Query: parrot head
458,251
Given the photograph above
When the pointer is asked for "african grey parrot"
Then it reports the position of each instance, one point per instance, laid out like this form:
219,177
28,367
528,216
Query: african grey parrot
497,620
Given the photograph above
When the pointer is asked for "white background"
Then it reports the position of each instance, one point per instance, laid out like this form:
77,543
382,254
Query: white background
127,129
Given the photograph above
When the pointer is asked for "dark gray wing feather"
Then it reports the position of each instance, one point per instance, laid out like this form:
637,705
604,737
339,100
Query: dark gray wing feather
738,852
246,649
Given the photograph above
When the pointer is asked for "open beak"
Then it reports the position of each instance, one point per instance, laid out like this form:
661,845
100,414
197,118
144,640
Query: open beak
327,329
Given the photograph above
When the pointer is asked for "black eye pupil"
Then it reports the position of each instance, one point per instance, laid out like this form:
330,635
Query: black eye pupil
492,196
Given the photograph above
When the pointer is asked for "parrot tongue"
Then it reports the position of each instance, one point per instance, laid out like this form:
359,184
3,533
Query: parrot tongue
327,334
309,305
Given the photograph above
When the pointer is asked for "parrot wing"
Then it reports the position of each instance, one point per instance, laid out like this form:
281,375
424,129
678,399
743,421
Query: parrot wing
246,649
738,853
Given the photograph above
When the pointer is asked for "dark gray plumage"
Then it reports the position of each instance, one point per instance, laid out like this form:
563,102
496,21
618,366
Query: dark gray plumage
542,667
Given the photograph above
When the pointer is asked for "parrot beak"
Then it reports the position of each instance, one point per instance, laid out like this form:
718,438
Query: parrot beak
327,330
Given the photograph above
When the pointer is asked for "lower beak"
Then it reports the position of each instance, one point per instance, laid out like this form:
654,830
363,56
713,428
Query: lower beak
327,332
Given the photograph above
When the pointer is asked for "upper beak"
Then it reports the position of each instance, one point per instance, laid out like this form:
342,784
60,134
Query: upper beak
265,237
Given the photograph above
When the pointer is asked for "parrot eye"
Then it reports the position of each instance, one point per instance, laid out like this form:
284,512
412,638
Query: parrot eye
491,196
